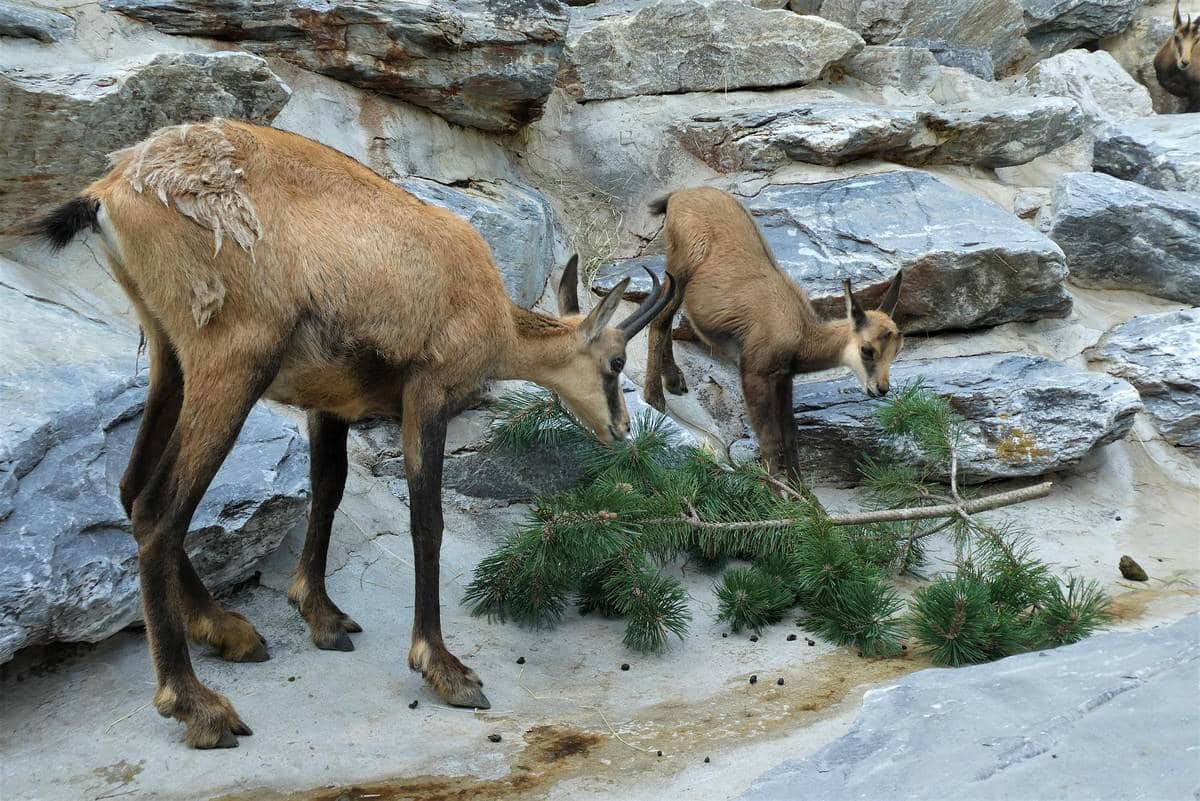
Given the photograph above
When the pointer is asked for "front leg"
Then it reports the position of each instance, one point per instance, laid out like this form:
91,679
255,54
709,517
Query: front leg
760,390
329,626
787,427
424,427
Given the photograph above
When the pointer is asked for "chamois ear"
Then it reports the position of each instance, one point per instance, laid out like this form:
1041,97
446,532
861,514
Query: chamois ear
568,287
892,296
854,309
594,323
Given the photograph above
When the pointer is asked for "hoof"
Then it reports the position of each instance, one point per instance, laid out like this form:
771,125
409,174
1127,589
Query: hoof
349,625
337,642
470,699
257,654
227,740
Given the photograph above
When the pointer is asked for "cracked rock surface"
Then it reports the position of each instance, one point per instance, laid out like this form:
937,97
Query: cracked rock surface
1112,717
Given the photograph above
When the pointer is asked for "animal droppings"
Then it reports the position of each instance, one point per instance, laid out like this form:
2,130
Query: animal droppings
291,678
520,660
724,635
779,682
660,753
791,638
413,705
624,666
495,738
810,642
707,760
754,679
753,638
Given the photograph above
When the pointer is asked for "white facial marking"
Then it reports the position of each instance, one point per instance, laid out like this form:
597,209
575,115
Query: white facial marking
853,359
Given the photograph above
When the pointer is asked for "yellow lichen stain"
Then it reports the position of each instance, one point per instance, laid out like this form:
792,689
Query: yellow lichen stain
120,772
1018,446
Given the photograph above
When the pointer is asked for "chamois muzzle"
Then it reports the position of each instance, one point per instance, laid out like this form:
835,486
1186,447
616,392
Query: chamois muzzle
655,302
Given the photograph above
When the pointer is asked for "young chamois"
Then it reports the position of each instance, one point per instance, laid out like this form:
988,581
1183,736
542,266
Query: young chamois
1177,64
740,303
262,264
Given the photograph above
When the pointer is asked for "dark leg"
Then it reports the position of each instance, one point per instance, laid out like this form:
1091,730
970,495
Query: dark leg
424,441
760,390
328,625
787,427
660,356
217,397
158,418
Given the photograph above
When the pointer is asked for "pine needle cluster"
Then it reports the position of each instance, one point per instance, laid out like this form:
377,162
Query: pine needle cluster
648,502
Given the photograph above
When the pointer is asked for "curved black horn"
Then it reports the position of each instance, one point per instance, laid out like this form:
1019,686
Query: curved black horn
654,303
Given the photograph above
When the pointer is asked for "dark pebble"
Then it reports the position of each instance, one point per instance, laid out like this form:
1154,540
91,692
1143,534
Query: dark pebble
810,642
753,638
291,678
754,679
1054,756
1131,569
1118,518
779,682
724,634
495,738
707,760
413,705
660,753
520,660
791,638
624,666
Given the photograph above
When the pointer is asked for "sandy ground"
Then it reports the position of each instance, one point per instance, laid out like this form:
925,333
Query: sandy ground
337,726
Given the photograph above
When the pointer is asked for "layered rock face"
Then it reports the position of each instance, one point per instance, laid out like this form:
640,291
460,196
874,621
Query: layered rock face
61,122
71,394
1160,152
483,63
1122,235
1160,355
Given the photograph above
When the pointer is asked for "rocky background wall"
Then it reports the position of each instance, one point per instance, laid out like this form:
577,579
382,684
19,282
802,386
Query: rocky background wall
1015,157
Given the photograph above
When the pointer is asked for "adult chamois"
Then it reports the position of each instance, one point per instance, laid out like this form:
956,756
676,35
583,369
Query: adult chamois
1176,64
740,303
263,264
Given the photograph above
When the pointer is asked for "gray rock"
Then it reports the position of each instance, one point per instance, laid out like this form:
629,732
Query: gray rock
1160,355
967,263
1025,415
907,68
71,400
1135,48
688,46
25,22
975,60
1102,88
994,26
1121,235
516,221
877,21
60,123
1100,720
1058,25
489,64
1161,151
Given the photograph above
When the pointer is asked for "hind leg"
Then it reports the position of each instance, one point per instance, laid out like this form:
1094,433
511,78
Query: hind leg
163,400
329,626
660,357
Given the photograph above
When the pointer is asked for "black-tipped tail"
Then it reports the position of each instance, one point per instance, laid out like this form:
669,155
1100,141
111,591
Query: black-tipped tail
659,206
60,226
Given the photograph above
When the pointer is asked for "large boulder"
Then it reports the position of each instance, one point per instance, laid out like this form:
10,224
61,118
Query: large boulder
1058,25
1100,720
1161,151
1135,49
996,27
1001,133
1025,415
677,46
1160,355
71,398
1121,235
1102,88
60,123
484,63
877,21
516,221
966,262
908,68
975,60
24,22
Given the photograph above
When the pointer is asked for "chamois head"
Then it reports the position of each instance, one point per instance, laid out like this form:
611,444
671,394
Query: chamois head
590,384
1184,38
874,339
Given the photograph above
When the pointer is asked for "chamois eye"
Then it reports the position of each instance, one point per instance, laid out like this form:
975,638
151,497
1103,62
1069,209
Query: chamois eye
617,365
868,353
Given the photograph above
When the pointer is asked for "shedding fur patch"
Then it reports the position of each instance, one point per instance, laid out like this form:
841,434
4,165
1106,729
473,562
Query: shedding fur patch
193,168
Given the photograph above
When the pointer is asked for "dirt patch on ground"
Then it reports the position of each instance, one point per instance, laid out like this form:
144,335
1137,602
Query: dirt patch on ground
665,737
